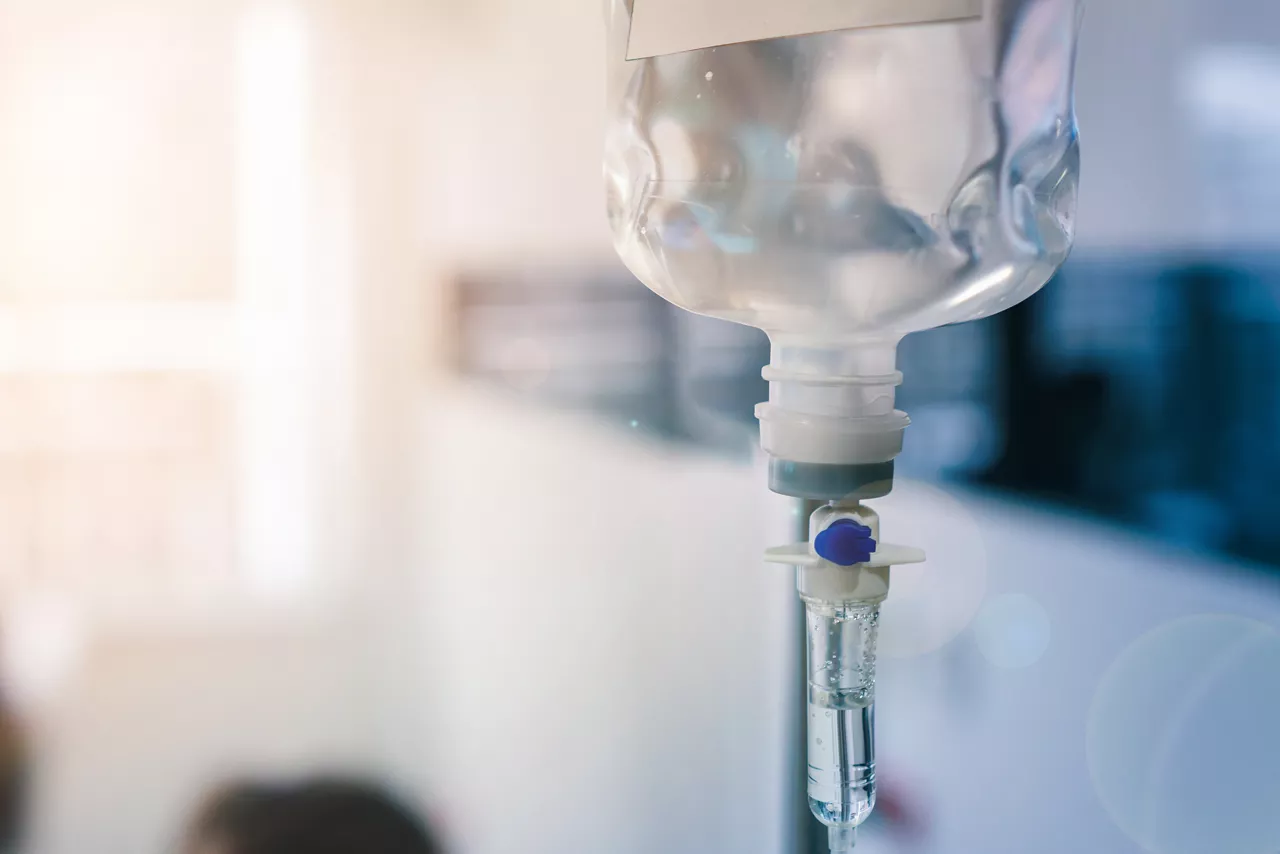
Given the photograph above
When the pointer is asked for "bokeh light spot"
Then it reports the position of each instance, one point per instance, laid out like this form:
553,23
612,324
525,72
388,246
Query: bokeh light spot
1184,742
1012,631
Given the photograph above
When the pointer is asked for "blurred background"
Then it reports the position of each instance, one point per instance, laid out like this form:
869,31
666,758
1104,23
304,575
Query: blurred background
336,445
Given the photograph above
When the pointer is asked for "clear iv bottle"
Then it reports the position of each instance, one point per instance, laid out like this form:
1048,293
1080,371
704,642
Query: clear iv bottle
843,189
866,182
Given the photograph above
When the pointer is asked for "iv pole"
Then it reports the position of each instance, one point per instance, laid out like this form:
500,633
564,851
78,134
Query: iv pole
810,836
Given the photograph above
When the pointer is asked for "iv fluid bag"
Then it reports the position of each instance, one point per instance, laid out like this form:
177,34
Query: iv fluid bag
855,184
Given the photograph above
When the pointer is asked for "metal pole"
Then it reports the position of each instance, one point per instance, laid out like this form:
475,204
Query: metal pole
810,836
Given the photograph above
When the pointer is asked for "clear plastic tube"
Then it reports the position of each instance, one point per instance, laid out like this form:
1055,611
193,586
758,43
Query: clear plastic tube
841,720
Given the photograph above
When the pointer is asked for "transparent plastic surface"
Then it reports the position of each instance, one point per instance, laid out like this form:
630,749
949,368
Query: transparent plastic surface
861,184
841,719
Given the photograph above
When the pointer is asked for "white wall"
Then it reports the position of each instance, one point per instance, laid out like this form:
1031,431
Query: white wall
517,131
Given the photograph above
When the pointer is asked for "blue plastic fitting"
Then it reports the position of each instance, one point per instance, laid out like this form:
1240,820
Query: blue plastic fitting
845,543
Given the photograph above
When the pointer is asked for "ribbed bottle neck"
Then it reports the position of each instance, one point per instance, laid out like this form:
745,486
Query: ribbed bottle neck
831,423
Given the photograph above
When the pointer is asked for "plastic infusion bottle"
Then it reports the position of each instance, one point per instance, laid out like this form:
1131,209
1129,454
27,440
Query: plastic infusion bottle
841,189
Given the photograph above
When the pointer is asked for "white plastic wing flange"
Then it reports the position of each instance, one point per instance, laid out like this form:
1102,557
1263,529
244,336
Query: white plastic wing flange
801,554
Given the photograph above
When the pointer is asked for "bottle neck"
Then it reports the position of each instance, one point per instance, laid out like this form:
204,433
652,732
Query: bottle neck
830,426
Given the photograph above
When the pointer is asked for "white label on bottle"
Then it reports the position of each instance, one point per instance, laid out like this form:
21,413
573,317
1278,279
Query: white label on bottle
659,27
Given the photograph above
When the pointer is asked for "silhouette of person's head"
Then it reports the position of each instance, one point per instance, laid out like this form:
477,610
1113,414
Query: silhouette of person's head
326,817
